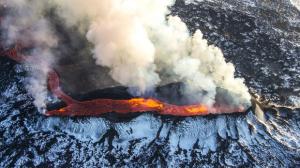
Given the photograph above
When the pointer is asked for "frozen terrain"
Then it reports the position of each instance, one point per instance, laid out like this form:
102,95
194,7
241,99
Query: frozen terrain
260,37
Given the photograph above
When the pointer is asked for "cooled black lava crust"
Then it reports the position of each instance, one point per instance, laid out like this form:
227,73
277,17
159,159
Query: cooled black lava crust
260,37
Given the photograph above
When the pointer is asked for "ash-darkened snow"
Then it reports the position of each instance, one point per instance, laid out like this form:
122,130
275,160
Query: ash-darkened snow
261,38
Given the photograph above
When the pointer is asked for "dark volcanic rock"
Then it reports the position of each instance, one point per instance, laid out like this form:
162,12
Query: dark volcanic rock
260,37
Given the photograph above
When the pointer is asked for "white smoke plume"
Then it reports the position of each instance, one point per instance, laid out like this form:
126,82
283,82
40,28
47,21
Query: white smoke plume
25,24
142,47
139,44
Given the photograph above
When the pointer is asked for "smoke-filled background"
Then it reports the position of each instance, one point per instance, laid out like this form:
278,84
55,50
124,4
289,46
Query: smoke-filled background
138,40
261,38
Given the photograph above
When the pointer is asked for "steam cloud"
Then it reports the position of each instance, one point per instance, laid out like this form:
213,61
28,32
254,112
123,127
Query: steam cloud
26,25
141,46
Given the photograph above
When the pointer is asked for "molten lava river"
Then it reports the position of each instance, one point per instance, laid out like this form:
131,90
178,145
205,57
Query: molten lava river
98,107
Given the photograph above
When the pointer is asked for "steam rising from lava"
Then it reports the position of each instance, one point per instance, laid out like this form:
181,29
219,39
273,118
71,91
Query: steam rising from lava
27,26
138,42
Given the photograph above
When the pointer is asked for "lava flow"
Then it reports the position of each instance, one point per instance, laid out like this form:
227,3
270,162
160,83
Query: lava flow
98,107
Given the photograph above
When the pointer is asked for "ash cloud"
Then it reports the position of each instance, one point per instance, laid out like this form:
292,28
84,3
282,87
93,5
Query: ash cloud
143,48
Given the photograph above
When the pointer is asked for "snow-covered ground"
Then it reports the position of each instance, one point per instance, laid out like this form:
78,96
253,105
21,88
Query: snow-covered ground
259,37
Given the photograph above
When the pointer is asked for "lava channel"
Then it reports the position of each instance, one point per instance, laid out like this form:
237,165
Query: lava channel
98,107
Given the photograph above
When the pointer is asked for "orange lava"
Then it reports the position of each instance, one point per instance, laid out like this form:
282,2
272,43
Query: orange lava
136,105
98,107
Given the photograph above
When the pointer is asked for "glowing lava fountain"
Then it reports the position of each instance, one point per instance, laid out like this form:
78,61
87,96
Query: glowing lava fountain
98,107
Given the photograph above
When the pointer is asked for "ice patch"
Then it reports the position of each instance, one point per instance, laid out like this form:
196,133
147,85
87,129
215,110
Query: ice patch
196,130
91,129
251,3
144,127
10,92
296,3
295,100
